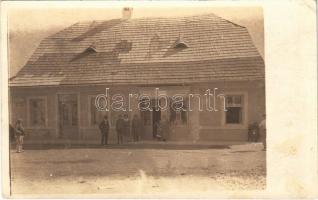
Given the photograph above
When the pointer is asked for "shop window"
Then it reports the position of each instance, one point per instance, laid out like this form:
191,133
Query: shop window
178,113
145,113
96,116
68,110
37,111
234,106
146,117
115,116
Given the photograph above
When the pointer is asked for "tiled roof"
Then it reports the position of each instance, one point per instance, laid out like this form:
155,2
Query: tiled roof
143,51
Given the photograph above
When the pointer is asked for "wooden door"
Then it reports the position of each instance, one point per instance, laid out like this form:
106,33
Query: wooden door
146,120
156,117
68,116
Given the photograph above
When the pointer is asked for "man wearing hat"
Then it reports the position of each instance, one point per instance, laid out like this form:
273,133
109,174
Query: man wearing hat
104,130
126,126
119,129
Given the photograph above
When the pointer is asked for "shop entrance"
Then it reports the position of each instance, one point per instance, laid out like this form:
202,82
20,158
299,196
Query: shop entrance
68,116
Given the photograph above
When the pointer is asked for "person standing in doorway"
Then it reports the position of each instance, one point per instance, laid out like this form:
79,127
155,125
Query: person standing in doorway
165,127
19,135
160,131
262,129
104,130
119,129
136,128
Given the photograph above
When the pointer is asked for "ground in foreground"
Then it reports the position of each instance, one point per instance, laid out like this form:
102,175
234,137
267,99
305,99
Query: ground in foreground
134,170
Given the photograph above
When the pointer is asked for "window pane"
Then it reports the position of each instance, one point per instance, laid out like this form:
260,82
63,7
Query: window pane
178,113
237,100
234,115
97,113
234,101
229,100
145,116
37,112
102,103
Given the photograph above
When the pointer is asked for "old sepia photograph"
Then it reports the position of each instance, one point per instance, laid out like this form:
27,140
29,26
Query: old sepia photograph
133,101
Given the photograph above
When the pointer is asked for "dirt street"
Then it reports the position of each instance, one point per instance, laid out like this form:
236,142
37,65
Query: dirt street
138,170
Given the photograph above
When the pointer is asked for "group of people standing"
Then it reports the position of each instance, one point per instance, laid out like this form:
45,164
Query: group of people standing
123,128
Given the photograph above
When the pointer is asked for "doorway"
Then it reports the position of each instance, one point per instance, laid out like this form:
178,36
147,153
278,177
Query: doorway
68,116
156,117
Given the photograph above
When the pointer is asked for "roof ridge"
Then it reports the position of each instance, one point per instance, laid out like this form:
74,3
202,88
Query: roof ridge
198,16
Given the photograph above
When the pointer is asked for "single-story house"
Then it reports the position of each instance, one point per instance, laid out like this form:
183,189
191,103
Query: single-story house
55,92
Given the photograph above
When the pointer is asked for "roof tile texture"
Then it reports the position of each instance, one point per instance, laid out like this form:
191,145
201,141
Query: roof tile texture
142,51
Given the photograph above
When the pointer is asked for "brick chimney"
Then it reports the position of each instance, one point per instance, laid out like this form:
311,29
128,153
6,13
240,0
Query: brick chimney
126,13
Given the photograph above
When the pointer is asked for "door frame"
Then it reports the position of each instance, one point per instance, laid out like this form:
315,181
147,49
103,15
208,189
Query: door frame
58,112
28,117
153,113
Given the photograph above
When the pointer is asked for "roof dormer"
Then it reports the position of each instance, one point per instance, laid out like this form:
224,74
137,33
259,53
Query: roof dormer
180,43
91,48
88,51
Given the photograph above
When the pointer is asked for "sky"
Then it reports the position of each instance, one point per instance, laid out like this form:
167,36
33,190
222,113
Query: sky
28,25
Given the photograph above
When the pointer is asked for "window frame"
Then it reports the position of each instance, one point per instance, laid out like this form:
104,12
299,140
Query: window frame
244,106
179,122
90,114
29,125
150,117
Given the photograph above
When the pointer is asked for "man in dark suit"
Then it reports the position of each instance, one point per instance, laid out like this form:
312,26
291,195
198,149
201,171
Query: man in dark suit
104,130
120,129
126,126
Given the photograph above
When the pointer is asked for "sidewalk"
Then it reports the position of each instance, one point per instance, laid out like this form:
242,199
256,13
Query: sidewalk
130,143
168,145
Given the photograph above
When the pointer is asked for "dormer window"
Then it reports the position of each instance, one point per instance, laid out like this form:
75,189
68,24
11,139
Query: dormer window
180,43
91,48
88,51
